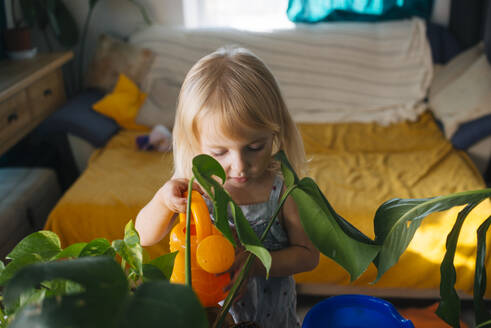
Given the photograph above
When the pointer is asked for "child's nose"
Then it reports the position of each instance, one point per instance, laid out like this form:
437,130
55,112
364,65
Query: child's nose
239,163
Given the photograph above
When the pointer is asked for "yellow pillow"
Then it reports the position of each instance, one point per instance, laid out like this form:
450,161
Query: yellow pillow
123,104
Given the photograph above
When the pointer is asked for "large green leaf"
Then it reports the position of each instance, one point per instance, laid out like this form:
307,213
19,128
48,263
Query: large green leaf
449,307
205,168
161,304
397,220
43,244
39,246
328,231
481,313
321,224
105,285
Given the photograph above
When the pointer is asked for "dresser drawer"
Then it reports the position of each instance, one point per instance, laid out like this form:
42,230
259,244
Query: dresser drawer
14,115
46,94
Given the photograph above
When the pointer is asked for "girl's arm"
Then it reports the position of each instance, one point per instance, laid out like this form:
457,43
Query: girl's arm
154,221
300,256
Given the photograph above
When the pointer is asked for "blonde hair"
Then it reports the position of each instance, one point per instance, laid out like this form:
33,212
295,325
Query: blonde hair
234,87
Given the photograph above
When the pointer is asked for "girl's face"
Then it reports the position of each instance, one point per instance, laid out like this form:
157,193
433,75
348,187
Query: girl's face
245,158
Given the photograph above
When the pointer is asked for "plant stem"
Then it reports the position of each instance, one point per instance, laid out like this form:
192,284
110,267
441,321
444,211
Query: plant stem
123,265
187,254
245,269
484,324
282,201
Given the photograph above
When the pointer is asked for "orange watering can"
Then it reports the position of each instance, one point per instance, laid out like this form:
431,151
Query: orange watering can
211,253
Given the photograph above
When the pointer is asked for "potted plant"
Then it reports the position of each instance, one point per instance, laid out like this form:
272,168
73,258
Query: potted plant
43,14
97,291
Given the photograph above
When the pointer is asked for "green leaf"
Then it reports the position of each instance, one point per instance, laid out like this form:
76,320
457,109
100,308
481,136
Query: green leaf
205,170
32,296
14,266
130,248
96,247
44,245
482,315
449,307
331,234
39,246
161,304
328,231
397,220
164,263
71,251
106,289
152,273
248,237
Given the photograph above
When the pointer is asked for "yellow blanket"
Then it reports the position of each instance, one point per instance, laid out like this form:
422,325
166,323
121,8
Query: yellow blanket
357,166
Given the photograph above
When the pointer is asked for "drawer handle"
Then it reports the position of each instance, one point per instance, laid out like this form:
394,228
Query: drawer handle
12,117
48,92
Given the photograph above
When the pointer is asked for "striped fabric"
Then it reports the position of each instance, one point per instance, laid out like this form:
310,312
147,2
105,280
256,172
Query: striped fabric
331,72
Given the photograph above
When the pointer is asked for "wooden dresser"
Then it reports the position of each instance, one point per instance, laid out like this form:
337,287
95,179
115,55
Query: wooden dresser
30,90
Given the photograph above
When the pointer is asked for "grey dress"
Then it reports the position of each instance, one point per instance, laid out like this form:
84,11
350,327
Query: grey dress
271,302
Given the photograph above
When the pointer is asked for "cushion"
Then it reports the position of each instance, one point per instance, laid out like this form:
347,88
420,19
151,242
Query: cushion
460,91
160,105
77,118
123,103
113,57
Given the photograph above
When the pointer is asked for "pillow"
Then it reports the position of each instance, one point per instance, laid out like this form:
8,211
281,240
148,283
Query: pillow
113,57
160,106
123,104
460,92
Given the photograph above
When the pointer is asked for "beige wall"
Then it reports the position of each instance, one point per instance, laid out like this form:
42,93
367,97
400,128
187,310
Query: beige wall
121,18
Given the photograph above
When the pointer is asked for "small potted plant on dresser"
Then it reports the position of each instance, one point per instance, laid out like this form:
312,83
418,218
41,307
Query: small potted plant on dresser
27,14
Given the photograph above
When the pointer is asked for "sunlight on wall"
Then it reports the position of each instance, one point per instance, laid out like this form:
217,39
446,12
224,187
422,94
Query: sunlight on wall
257,15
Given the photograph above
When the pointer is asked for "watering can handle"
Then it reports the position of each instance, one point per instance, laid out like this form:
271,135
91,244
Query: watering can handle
200,215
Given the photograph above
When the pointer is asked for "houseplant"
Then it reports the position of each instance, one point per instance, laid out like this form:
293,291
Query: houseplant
395,223
45,14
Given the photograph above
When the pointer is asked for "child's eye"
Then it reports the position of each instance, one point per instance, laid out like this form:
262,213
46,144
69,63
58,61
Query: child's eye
218,153
255,147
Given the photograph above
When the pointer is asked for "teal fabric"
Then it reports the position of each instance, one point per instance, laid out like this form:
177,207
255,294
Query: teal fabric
312,11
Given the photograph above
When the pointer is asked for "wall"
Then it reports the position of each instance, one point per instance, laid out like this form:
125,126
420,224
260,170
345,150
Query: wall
121,18
118,18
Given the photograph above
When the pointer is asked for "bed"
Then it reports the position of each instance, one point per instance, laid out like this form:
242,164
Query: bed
364,147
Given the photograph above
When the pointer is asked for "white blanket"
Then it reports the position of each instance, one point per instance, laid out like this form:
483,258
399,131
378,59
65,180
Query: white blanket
331,72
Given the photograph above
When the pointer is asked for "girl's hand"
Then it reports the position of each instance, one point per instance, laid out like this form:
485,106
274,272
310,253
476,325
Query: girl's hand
172,194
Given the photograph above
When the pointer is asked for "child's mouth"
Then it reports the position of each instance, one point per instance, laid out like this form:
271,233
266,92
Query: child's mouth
239,179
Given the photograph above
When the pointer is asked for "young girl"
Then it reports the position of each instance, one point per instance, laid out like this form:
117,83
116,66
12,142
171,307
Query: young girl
230,107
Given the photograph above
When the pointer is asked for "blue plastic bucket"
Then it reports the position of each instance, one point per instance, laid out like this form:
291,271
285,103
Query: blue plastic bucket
354,311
